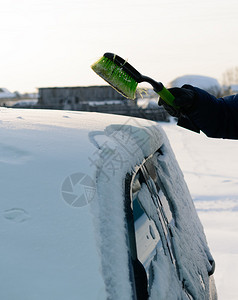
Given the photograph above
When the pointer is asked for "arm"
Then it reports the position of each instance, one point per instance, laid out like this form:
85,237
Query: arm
217,118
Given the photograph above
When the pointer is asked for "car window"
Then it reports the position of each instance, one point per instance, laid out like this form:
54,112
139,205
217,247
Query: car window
151,216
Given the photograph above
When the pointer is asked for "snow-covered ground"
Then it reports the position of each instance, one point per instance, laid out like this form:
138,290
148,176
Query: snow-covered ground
210,168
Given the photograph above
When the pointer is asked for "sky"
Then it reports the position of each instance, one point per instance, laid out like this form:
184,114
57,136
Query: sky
53,43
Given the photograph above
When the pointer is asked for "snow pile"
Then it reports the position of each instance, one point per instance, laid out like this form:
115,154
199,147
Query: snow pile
206,83
25,103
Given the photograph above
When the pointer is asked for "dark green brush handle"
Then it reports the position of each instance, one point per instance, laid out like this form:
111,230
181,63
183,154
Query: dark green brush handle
166,96
161,90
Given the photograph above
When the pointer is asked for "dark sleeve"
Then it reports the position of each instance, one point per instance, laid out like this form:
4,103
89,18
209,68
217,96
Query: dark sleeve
216,117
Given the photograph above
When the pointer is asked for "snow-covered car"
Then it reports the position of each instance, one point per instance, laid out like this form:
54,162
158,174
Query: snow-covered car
95,206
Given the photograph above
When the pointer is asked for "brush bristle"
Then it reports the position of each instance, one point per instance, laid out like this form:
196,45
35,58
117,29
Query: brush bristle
116,77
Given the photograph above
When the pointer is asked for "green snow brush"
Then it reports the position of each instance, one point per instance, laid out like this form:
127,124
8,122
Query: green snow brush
125,78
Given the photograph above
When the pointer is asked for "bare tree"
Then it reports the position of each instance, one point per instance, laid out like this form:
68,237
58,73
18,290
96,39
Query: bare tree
230,76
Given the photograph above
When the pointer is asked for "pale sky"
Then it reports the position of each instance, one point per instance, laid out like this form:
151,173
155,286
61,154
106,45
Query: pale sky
53,43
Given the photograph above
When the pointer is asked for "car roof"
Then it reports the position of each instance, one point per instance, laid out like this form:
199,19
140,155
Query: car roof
45,231
72,137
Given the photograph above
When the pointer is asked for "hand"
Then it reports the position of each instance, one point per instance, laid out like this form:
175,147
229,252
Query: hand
184,101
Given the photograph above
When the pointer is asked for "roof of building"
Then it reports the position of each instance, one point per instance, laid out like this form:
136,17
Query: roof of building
5,93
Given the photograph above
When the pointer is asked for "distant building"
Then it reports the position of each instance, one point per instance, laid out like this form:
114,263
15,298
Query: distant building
206,83
78,97
5,94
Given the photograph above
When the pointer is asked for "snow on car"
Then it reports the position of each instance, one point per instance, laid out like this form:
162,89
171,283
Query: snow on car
95,206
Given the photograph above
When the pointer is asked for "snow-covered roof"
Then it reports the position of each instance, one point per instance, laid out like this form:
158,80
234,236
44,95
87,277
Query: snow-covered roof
204,82
4,93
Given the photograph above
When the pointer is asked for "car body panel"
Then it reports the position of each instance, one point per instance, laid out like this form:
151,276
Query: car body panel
48,248
64,226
